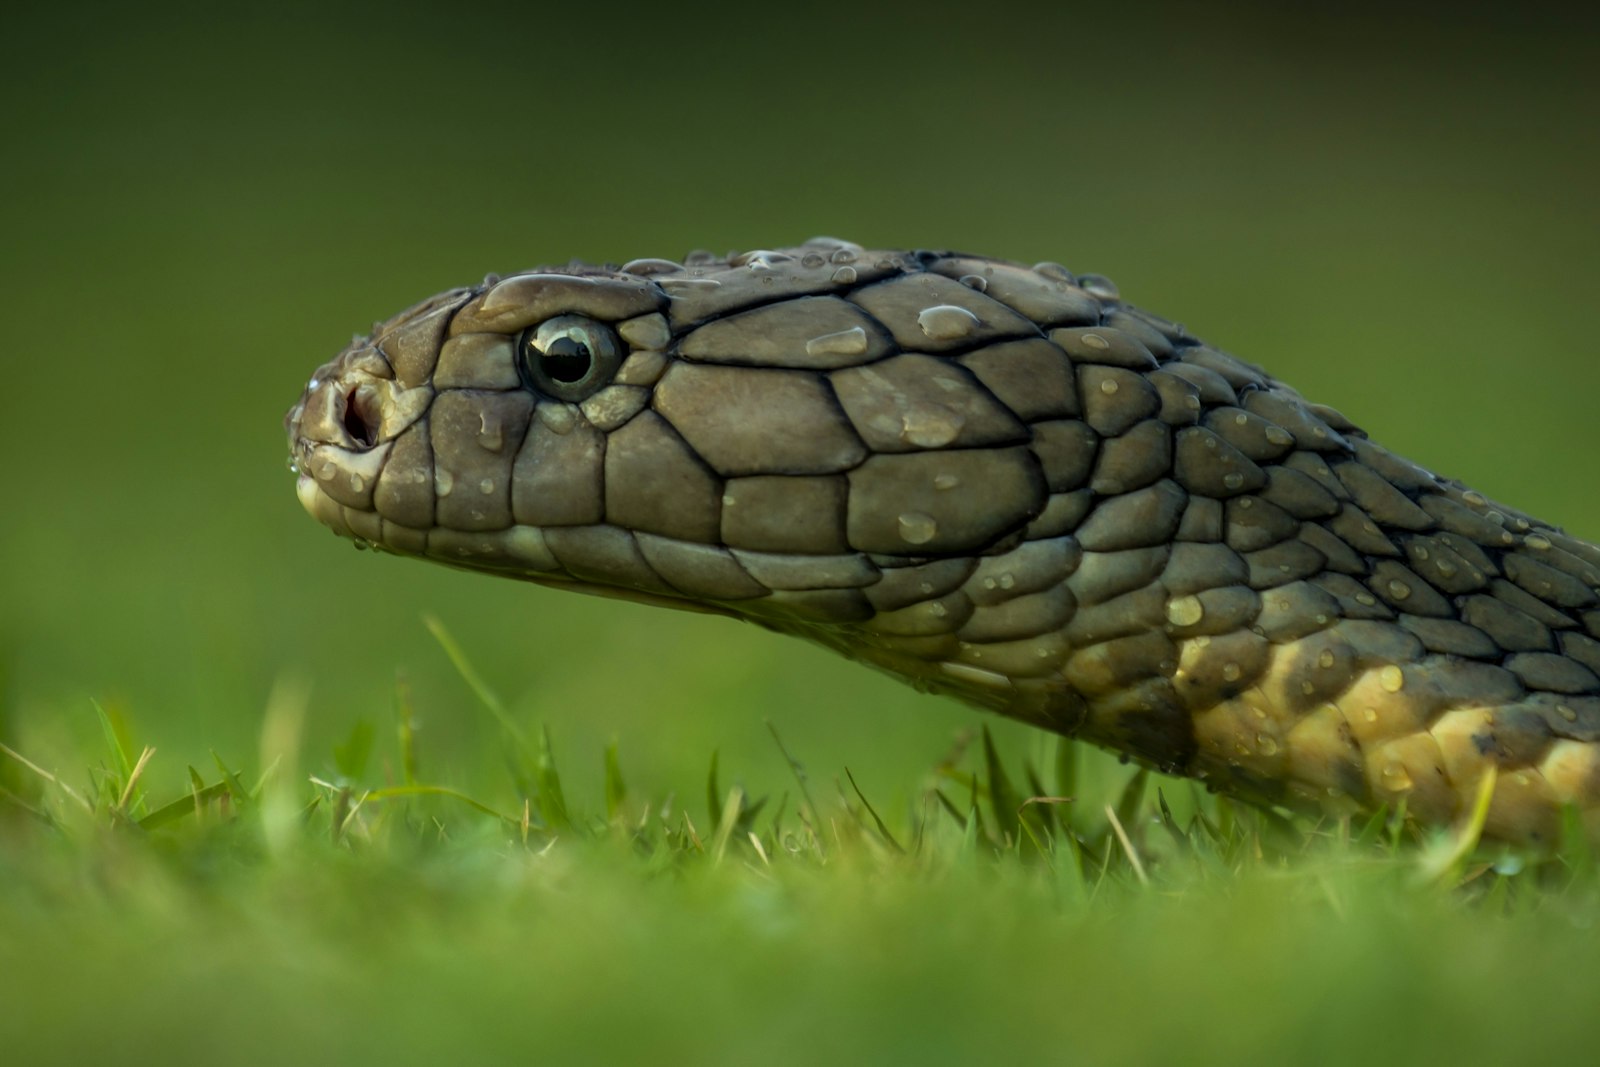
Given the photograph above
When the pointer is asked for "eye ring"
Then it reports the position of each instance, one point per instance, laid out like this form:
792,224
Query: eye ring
569,357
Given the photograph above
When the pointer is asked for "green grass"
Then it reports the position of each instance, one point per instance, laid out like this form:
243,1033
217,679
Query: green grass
1053,904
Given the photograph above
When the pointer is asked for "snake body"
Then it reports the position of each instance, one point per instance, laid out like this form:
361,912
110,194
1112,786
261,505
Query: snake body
997,482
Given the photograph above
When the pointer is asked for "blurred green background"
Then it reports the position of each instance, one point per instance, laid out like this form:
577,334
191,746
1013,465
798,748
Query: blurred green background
198,205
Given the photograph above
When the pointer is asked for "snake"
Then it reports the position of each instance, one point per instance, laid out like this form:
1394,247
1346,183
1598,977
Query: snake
1000,483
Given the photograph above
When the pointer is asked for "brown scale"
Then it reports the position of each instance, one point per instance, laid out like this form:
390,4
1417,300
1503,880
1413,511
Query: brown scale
1001,483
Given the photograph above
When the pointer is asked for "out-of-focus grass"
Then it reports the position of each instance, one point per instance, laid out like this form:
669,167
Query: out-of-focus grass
1047,906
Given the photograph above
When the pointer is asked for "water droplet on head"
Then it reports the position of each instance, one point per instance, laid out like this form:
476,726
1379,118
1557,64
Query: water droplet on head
1398,589
975,281
1109,386
1392,678
918,528
851,342
844,275
1054,271
1537,542
1267,744
1279,436
357,483
1230,672
486,486
1235,480
1566,713
946,322
1366,599
945,481
1474,498
1325,658
1100,287
1095,341
812,260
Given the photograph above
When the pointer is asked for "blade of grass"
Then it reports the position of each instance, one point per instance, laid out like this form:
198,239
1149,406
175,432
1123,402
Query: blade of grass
474,680
882,829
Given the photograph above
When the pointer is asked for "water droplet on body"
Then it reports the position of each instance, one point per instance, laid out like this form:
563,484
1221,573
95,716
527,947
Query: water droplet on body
918,528
946,322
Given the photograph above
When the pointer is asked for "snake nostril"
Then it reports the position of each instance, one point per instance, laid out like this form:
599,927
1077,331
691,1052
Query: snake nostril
361,418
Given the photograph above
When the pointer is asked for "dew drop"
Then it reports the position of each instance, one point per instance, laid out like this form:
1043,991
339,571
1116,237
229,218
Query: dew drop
975,281
1054,271
1008,580
1325,658
1185,611
1094,340
1474,498
1398,589
1231,672
486,486
1099,286
1241,419
844,275
1396,778
357,483
1537,542
1370,714
688,285
1234,481
946,322
1277,435
1392,678
842,255
1307,688
918,528
1267,744
1109,386
491,434
812,260
851,342
1366,599
1421,552
945,481
1566,713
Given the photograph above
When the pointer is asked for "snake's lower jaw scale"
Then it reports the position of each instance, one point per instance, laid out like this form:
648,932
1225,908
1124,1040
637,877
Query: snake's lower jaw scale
998,483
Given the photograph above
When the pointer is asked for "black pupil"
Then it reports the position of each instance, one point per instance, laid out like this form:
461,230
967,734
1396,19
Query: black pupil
567,359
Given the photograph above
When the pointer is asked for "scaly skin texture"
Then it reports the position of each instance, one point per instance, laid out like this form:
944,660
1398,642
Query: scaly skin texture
996,482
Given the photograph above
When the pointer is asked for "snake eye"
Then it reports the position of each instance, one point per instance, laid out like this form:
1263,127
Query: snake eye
569,357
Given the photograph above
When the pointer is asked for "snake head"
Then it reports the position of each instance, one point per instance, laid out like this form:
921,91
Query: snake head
823,440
